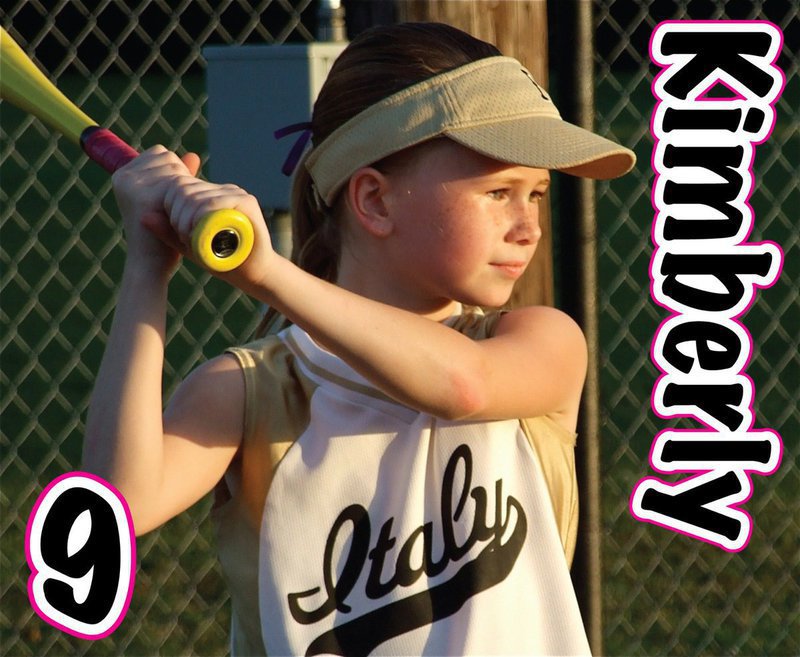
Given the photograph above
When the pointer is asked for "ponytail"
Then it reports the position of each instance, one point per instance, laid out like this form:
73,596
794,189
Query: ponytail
315,240
315,230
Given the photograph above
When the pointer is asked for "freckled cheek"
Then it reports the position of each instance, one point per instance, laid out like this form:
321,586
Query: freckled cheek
458,230
464,252
455,238
454,219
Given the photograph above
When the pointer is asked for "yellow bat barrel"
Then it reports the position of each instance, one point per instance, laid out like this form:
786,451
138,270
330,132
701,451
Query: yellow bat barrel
24,85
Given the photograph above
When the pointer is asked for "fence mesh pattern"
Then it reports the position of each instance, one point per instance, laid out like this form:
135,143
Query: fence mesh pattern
138,68
664,593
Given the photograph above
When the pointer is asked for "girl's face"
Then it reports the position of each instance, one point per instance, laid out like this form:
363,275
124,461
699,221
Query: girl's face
465,226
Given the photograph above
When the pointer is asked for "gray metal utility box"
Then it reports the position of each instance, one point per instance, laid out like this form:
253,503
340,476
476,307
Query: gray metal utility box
252,92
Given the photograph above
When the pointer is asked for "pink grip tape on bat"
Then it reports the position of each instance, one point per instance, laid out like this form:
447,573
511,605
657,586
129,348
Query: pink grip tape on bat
222,239
105,148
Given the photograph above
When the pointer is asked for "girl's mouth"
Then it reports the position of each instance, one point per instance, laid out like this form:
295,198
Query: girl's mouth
513,269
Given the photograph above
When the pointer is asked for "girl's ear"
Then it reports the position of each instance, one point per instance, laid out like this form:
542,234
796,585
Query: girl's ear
367,197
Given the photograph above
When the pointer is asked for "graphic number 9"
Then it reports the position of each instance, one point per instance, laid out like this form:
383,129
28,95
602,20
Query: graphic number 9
81,551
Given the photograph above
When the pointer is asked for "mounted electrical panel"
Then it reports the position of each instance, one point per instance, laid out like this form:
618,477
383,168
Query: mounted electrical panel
252,92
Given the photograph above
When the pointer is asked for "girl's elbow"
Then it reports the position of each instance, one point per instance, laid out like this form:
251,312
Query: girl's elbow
467,397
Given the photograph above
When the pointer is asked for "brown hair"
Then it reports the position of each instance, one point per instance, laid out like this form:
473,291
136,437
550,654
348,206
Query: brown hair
378,63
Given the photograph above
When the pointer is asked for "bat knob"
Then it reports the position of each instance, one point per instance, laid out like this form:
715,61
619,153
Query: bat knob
222,240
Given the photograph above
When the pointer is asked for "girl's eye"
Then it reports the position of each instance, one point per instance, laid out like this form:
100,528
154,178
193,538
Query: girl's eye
502,194
498,194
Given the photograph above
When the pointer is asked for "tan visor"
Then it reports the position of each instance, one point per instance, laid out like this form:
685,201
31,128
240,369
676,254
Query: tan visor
493,106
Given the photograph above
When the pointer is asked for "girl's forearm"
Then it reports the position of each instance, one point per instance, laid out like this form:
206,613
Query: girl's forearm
124,429
416,361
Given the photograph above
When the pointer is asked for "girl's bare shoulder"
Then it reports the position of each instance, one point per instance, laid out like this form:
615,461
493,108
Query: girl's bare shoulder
209,403
542,322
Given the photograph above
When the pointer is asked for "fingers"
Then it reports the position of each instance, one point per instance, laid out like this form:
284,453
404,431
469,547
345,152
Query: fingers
189,199
157,163
192,162
158,191
142,182
155,224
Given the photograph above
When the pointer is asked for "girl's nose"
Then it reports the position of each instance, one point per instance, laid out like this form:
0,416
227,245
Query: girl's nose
525,229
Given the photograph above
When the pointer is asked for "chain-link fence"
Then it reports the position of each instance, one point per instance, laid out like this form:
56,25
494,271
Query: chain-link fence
665,593
138,68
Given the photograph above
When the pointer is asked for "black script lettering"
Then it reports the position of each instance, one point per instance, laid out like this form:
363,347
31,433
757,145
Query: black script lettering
719,401
729,120
375,588
690,450
717,51
337,592
359,636
716,450
695,267
727,269
452,551
687,502
721,161
702,335
480,532
407,574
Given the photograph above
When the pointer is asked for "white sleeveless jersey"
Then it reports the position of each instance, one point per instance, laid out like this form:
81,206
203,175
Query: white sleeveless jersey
385,531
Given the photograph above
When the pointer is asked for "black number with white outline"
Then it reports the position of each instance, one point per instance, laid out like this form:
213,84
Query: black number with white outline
81,552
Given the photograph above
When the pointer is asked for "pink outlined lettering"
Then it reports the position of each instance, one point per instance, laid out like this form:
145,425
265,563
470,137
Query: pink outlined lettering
706,274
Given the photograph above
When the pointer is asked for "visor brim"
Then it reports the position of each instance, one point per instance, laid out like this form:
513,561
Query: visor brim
558,146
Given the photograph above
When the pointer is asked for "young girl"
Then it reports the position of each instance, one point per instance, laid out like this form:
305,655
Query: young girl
394,470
